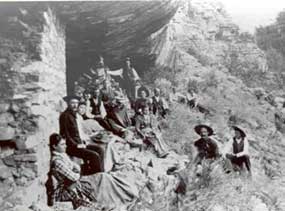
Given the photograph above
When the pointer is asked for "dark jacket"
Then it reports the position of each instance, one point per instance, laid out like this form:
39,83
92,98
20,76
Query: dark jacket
96,107
141,103
207,148
158,107
238,147
69,129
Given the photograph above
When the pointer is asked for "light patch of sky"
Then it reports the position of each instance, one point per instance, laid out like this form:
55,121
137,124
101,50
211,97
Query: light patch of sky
249,14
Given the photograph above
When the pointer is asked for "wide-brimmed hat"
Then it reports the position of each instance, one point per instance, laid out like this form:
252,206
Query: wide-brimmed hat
143,88
199,127
240,130
71,97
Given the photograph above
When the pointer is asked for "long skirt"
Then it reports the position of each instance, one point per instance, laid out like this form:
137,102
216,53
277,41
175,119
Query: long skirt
156,140
115,190
80,193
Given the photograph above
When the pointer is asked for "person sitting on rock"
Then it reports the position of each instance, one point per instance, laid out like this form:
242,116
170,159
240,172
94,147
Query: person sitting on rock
191,98
143,100
236,151
76,145
97,108
147,128
99,139
159,104
65,183
117,116
100,71
206,146
82,110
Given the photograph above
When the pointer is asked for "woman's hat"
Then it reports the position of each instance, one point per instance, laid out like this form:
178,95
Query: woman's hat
240,130
143,88
199,127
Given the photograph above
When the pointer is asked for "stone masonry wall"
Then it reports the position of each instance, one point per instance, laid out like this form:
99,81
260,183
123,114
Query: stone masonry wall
31,92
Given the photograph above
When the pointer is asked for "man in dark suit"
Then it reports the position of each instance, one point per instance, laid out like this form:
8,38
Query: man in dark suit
159,105
206,146
91,155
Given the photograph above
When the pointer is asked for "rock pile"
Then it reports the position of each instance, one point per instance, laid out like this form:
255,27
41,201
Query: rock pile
30,104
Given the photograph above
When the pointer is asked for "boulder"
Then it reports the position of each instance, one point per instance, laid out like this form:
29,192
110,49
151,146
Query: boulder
7,133
26,158
6,118
5,171
28,173
14,108
20,142
9,161
32,141
4,107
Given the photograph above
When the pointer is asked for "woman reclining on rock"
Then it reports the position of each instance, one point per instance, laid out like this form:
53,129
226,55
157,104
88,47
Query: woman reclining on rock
110,191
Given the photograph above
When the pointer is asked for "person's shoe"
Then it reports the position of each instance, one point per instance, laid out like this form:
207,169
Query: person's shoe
228,171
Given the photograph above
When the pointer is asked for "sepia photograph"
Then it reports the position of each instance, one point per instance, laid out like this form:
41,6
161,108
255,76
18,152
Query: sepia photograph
142,105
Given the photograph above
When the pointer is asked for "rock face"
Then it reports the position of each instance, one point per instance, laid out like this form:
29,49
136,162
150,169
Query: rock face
187,44
200,48
112,29
30,99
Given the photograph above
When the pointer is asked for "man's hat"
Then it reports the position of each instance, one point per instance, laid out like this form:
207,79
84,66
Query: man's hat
87,91
240,130
94,87
70,97
128,59
143,88
199,127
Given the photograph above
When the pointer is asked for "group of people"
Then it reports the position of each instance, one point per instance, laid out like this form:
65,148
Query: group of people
131,115
235,154
114,114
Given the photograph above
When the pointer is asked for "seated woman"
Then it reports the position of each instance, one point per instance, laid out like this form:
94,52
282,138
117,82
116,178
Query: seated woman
143,100
109,191
117,115
147,128
66,173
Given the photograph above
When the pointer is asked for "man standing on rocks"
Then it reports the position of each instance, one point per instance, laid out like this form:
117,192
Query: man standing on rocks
130,79
206,146
76,146
237,152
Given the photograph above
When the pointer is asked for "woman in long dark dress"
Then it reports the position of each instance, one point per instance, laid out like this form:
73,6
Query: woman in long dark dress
147,128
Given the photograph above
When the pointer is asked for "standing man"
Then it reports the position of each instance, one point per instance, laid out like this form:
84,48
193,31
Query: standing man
159,104
206,146
76,146
237,153
130,79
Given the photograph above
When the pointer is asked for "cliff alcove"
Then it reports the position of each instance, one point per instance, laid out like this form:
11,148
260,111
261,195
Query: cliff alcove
46,47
